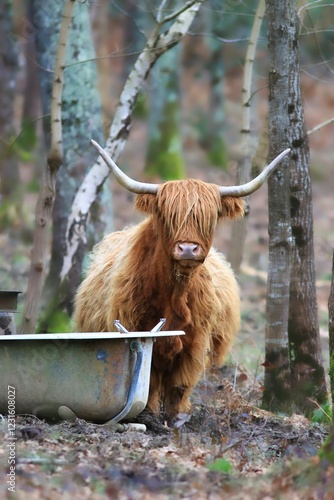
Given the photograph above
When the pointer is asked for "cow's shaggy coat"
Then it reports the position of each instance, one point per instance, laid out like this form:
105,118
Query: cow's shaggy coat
134,278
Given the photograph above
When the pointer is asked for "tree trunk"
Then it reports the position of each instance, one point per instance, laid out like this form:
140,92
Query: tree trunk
308,374
239,229
9,173
303,351
331,334
277,392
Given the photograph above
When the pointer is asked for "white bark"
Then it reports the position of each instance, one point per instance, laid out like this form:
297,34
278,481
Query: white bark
156,45
248,71
244,169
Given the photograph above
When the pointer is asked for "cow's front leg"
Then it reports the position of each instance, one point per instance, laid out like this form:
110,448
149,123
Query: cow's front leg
181,379
177,400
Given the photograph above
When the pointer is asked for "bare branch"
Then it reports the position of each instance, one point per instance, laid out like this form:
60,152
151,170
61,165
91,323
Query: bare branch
314,65
315,32
308,6
320,126
159,12
27,125
125,13
118,51
317,79
176,13
219,38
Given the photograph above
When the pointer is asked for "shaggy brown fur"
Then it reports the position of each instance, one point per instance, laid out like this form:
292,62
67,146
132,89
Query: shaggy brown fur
133,278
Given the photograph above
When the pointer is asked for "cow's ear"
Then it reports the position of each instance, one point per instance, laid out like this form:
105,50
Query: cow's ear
232,207
146,203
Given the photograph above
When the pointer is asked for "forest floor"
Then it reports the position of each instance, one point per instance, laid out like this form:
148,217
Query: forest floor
227,446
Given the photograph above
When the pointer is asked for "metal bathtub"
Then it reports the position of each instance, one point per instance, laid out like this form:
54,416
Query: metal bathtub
99,377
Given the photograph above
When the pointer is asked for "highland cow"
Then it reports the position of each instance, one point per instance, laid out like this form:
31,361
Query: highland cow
166,267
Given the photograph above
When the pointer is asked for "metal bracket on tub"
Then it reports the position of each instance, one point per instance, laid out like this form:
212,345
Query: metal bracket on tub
122,329
158,327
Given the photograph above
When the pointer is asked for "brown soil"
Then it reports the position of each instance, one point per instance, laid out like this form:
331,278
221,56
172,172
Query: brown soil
226,446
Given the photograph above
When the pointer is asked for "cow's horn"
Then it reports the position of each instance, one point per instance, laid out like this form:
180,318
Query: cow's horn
122,178
250,187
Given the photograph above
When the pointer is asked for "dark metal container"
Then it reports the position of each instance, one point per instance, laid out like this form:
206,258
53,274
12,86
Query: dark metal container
8,300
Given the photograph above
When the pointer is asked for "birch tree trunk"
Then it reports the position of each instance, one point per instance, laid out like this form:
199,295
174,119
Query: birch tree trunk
308,374
157,44
277,391
239,229
48,189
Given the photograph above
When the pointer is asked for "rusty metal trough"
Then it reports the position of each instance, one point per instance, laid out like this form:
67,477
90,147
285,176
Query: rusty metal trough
99,377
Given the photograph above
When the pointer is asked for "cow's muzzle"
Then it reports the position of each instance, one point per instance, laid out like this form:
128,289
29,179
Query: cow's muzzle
185,250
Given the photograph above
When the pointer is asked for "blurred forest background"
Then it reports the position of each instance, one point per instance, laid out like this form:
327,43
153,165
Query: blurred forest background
187,122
